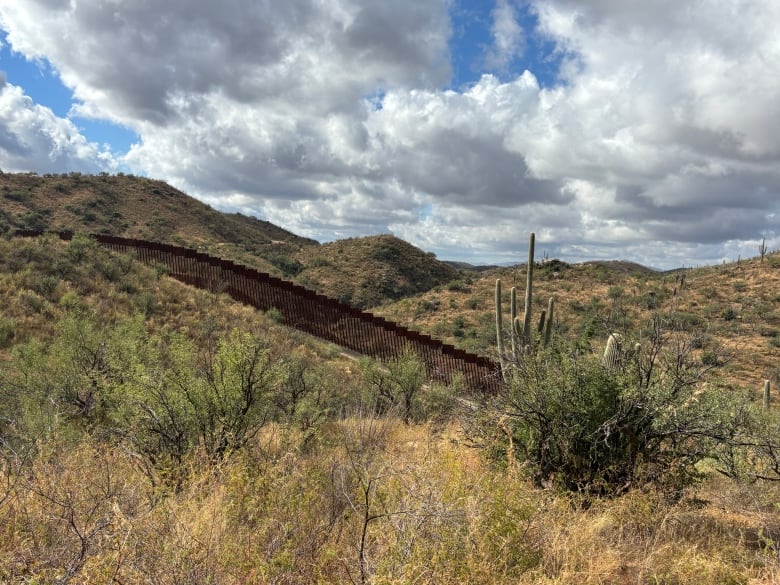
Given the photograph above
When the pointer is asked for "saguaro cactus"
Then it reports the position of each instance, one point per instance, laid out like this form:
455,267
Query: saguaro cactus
520,333
500,328
767,386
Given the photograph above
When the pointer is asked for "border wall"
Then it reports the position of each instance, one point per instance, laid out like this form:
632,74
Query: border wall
306,310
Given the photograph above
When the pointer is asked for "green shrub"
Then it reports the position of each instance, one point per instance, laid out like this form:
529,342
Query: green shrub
33,220
288,266
81,247
275,315
458,286
18,196
31,301
318,262
7,331
397,386
709,292
427,306
472,303
598,430
146,303
43,284
710,358
686,321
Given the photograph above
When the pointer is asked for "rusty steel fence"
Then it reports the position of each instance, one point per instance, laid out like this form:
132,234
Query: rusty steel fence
307,310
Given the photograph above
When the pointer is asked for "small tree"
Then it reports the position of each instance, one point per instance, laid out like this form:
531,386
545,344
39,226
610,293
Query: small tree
398,385
233,395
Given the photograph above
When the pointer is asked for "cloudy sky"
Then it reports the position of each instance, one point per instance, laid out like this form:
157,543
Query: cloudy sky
615,129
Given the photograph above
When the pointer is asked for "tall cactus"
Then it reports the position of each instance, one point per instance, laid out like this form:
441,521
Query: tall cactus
548,325
520,334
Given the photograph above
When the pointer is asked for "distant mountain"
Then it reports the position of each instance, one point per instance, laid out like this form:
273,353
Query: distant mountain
470,267
622,266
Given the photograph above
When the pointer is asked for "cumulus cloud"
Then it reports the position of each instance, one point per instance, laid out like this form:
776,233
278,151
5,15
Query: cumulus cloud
332,118
33,138
148,61
508,37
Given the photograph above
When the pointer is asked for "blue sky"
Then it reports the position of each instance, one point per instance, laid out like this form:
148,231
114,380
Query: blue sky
472,39
42,83
613,130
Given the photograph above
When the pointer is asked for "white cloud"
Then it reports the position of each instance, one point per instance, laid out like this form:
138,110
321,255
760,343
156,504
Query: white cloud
33,138
508,37
330,118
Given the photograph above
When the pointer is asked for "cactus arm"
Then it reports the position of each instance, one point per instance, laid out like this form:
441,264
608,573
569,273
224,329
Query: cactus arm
529,278
767,386
548,325
611,355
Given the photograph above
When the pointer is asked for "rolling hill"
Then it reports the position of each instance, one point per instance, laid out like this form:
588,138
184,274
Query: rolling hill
363,271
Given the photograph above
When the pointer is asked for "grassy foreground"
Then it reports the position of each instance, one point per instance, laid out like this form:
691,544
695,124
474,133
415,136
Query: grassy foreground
375,501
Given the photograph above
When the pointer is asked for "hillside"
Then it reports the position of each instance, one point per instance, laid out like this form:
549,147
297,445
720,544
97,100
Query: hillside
735,308
118,386
366,272
363,271
134,207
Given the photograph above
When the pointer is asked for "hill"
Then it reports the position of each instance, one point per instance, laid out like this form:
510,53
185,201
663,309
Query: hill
133,207
369,271
363,271
735,308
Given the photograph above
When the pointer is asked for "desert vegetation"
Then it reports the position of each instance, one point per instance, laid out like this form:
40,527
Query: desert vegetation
152,432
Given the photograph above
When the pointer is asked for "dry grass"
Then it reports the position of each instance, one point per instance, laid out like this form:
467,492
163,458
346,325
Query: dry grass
441,514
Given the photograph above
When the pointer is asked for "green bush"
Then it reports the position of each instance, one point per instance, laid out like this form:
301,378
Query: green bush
472,303
19,196
458,286
588,428
7,331
275,315
396,387
288,266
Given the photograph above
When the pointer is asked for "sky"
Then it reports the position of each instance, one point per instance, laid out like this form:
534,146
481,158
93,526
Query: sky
614,129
